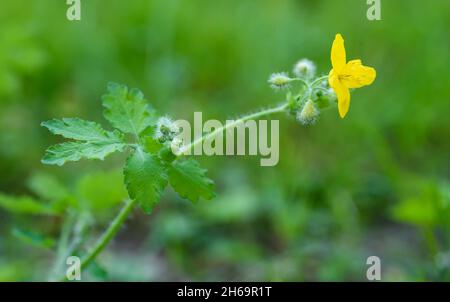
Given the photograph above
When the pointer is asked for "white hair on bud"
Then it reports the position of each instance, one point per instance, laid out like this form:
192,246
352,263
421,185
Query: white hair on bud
279,80
167,123
308,114
305,69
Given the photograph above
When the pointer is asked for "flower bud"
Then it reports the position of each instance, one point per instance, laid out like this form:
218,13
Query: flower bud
166,129
324,98
305,69
308,114
279,80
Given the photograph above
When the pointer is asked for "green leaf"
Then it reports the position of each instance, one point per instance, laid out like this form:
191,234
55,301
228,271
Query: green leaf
97,142
25,205
47,187
149,142
127,110
145,179
189,180
78,129
74,151
102,190
33,238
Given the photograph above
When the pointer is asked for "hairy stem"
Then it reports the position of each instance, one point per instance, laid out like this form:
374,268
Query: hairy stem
227,126
318,80
109,233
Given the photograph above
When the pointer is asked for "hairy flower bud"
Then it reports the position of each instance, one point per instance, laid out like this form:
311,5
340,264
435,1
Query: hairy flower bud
166,129
305,69
308,114
279,80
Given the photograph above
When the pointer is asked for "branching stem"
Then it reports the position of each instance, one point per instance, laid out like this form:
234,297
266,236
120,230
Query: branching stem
116,224
118,221
318,80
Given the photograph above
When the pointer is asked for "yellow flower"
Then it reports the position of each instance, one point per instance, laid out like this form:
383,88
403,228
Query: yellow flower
346,75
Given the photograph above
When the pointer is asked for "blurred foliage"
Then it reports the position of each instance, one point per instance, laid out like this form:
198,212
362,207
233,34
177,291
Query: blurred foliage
376,183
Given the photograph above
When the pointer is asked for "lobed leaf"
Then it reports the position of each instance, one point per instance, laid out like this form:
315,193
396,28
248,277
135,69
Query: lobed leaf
78,129
145,178
93,142
74,151
189,180
127,110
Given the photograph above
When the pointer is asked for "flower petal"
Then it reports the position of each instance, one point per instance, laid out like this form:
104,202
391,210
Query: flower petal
342,93
338,56
355,75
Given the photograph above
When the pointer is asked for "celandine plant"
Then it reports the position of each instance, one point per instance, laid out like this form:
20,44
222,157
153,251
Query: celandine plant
148,138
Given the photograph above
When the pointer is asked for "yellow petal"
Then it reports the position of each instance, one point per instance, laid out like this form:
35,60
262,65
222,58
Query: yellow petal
355,75
342,93
338,57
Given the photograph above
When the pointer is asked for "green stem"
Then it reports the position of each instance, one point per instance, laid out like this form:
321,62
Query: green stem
301,81
318,80
227,126
109,233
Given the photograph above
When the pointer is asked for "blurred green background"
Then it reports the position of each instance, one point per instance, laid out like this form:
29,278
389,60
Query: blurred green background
375,183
